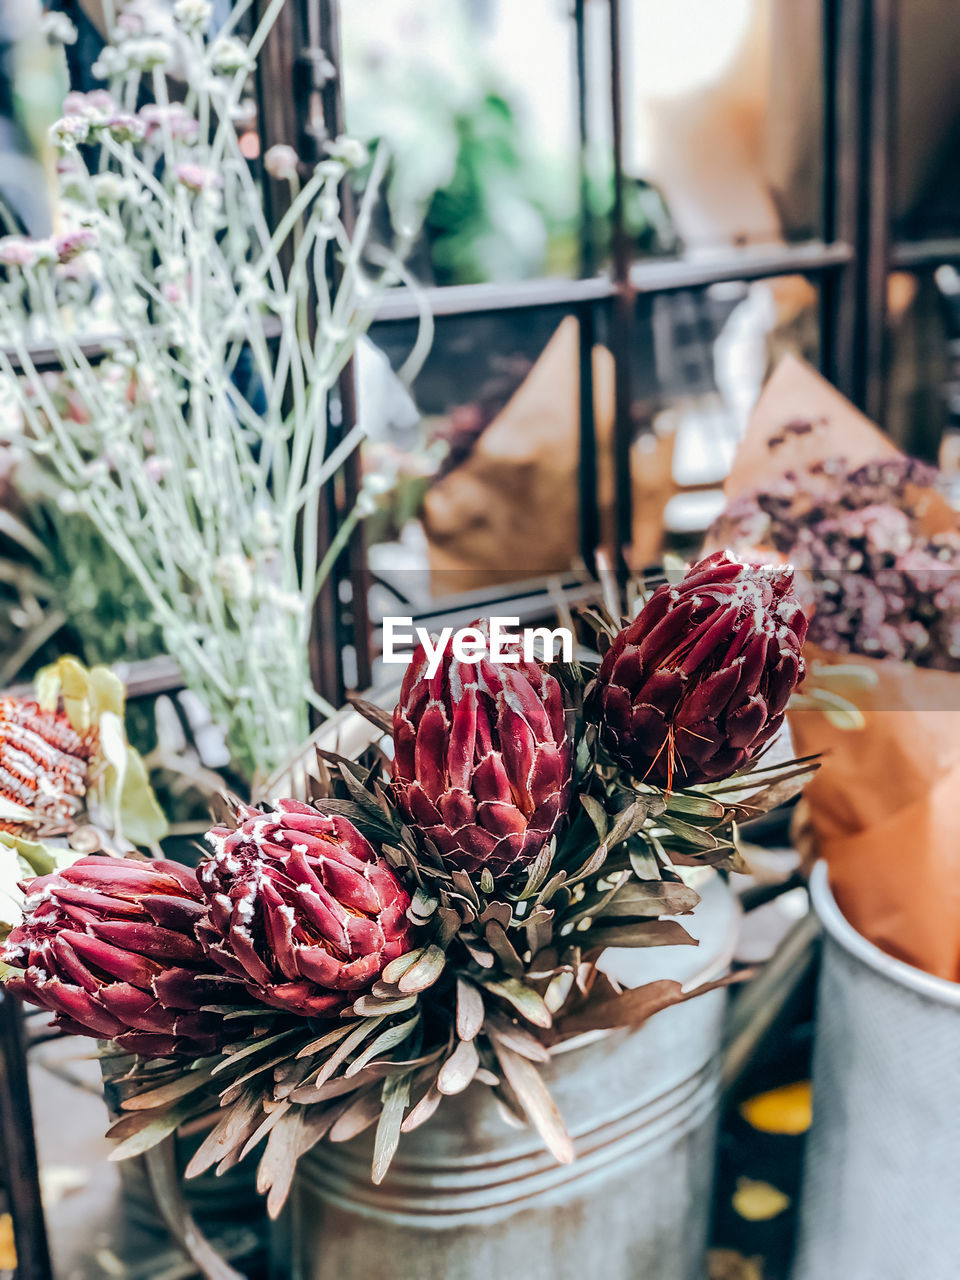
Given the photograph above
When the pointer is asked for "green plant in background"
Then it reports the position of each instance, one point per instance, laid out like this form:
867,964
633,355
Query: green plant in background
467,170
197,450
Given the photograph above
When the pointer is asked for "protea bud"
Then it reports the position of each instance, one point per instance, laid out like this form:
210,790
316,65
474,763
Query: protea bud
482,759
301,908
44,764
692,689
109,946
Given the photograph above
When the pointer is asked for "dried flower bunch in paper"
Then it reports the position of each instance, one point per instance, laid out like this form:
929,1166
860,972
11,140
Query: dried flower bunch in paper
879,585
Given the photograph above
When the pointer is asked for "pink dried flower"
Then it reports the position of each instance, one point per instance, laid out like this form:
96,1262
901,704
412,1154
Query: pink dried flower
198,178
125,128
157,468
96,103
281,162
18,251
72,243
175,119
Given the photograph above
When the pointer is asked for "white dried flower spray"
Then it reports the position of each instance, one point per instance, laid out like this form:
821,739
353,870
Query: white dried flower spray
199,446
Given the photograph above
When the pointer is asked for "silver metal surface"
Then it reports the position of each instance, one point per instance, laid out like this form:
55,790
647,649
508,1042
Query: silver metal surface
471,1198
881,1196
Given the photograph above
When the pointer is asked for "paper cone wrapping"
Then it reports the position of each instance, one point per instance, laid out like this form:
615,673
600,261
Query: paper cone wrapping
511,509
885,803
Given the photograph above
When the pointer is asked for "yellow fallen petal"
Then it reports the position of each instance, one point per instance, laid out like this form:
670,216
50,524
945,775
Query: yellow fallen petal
8,1251
727,1264
785,1110
758,1201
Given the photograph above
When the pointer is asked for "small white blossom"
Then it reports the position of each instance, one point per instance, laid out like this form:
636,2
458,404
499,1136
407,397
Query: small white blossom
147,53
229,55
193,15
111,188
69,131
58,27
351,151
233,574
111,63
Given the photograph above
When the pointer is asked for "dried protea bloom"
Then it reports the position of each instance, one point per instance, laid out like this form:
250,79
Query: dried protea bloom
483,759
301,908
109,945
44,764
692,689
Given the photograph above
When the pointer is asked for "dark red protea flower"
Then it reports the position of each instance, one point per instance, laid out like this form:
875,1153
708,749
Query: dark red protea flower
109,946
301,908
44,764
482,759
698,682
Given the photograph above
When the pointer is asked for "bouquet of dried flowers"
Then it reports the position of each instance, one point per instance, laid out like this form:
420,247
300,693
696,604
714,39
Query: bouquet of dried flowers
877,552
198,447
879,583
434,913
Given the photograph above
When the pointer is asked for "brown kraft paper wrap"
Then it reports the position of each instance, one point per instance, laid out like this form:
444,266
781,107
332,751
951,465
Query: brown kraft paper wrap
883,805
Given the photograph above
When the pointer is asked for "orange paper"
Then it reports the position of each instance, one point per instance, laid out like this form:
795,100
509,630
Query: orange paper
885,802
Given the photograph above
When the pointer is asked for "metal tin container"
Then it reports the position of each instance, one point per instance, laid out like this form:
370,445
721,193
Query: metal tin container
469,1197
882,1178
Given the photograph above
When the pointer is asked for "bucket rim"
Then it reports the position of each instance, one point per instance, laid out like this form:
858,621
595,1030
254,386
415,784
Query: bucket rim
845,935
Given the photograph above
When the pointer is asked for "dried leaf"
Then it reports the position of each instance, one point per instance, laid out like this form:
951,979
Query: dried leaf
464,885
504,949
526,1082
279,1161
377,716
597,814
424,1109
629,822
651,898
470,1010
272,1119
324,1042
370,1007
484,957
395,970
539,870
527,1002
460,1068
189,1082
154,1131
629,1009
516,1038
646,933
695,805
396,1095
422,906
360,1115
387,1040
235,1127
353,1041
425,972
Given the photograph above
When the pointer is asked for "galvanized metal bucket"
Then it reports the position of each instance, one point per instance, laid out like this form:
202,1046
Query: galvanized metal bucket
881,1196
470,1198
